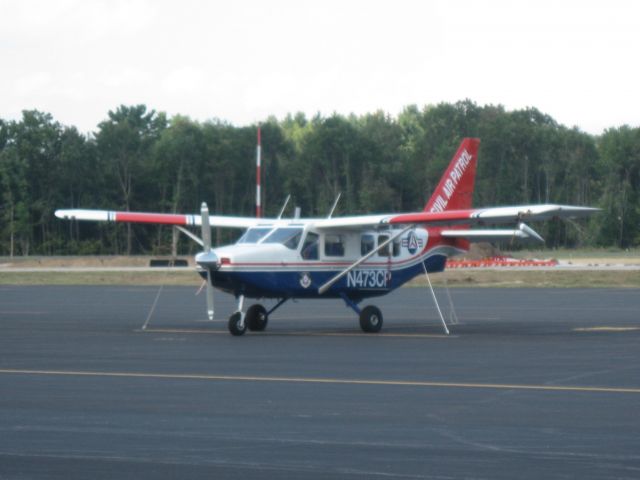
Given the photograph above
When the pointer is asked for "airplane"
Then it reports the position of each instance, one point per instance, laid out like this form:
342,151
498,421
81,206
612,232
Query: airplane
350,258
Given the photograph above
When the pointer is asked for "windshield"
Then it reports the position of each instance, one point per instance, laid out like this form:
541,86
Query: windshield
289,237
254,235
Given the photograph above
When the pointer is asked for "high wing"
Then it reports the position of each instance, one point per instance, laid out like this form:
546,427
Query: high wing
467,217
496,215
158,218
471,217
515,215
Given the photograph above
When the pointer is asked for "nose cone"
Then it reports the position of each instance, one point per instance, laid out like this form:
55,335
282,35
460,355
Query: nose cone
208,260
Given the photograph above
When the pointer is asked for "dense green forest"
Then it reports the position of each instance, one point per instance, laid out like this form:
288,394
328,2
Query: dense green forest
139,160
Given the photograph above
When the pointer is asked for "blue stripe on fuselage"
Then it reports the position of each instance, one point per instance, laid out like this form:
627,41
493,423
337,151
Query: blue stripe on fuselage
360,283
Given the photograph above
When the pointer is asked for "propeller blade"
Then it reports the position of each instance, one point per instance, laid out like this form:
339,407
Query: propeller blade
210,308
204,260
206,228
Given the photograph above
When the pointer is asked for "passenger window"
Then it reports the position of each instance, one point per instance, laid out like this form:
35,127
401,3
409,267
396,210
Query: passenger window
384,251
396,247
366,243
310,247
333,246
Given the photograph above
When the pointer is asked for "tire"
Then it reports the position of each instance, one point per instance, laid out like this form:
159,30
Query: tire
234,325
371,319
256,318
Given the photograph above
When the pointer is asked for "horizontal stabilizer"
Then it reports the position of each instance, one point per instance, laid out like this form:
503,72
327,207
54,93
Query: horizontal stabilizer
523,232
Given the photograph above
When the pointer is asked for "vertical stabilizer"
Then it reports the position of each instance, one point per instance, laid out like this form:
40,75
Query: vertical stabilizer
455,190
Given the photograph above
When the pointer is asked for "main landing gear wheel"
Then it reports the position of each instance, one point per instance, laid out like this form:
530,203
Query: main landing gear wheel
371,319
256,318
236,326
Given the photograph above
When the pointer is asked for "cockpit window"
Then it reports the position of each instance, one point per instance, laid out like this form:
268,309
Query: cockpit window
254,235
289,237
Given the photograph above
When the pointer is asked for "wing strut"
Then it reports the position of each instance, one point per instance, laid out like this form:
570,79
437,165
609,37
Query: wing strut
435,300
189,234
327,285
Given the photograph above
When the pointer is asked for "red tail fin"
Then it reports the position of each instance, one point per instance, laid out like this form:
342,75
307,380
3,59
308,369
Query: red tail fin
455,190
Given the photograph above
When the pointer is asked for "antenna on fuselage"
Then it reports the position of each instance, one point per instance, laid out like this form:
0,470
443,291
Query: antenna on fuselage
335,204
286,202
296,213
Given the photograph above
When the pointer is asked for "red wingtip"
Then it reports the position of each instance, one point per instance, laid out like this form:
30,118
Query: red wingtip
455,190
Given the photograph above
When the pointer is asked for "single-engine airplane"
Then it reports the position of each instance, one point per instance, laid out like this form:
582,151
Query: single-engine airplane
351,258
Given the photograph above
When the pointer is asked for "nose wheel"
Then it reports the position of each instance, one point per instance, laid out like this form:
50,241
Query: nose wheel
237,325
255,319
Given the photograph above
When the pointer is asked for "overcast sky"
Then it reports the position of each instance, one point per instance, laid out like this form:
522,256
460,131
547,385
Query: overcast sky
244,60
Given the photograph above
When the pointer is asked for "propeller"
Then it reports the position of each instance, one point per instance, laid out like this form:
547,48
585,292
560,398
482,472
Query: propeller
207,259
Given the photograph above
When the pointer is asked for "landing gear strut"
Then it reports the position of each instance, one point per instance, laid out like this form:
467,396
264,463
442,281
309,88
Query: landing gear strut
237,325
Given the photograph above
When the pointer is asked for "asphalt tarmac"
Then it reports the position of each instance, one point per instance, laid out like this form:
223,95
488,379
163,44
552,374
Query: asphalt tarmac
531,383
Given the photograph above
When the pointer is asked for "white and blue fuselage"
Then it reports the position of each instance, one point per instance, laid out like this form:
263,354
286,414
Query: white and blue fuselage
293,260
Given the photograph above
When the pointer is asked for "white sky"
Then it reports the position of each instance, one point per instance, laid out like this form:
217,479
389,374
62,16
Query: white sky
243,60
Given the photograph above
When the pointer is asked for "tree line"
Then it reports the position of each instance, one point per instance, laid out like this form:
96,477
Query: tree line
140,160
